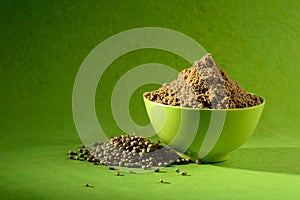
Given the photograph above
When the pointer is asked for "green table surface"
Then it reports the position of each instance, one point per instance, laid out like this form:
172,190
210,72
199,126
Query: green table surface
43,44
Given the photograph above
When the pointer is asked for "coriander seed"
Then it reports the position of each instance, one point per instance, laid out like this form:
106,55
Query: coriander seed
85,152
156,169
81,155
80,150
183,173
72,153
198,161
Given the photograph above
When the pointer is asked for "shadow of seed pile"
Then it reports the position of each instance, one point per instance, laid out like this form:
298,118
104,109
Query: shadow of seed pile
204,85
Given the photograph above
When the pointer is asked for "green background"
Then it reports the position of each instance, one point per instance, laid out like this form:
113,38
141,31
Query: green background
42,46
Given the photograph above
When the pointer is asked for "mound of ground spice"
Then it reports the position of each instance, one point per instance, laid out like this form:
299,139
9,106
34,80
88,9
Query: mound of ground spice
204,85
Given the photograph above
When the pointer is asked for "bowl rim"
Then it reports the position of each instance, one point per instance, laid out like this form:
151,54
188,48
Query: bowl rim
207,109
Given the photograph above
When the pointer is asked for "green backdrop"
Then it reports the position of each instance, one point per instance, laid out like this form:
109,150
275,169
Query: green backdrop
43,44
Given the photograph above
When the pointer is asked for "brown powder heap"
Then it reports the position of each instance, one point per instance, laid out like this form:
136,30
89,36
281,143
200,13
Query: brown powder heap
204,85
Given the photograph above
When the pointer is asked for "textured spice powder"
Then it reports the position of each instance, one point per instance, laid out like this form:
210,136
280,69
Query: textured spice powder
204,85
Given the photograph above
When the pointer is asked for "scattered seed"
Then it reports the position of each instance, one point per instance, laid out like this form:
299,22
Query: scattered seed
198,161
72,153
80,150
81,155
85,157
85,152
183,173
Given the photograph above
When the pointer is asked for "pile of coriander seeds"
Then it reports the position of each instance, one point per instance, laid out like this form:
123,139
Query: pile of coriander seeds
130,151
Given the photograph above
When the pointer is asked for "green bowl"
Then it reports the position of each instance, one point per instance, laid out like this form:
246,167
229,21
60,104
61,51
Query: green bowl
205,134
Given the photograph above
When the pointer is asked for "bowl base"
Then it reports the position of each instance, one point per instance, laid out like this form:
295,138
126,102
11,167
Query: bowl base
207,159
215,158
